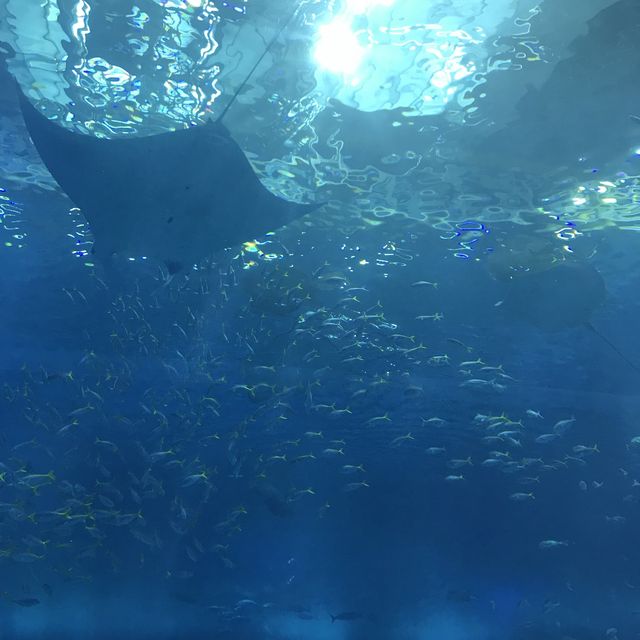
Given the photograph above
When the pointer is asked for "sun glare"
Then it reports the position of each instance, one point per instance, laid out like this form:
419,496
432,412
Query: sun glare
338,49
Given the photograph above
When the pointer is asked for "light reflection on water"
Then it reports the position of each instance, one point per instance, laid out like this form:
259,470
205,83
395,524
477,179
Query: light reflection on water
428,84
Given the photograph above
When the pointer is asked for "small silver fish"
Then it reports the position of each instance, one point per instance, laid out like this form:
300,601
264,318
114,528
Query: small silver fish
545,438
552,544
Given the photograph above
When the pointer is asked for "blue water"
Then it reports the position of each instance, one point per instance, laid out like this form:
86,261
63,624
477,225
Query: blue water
411,414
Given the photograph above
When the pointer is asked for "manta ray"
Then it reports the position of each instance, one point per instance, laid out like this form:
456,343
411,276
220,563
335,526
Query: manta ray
558,297
176,197
562,296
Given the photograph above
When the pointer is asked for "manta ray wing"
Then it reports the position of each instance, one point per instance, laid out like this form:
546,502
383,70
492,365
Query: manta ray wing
556,298
177,197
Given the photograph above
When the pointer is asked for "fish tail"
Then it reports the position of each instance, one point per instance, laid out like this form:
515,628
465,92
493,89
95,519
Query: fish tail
333,618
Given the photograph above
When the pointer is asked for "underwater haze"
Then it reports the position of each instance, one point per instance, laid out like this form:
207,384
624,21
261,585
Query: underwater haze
318,319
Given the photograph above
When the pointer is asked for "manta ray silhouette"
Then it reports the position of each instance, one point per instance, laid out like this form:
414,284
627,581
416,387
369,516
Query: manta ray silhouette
560,297
176,197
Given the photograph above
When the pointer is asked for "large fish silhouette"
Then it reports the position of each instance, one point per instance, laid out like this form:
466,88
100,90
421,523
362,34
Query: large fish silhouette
176,197
562,296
